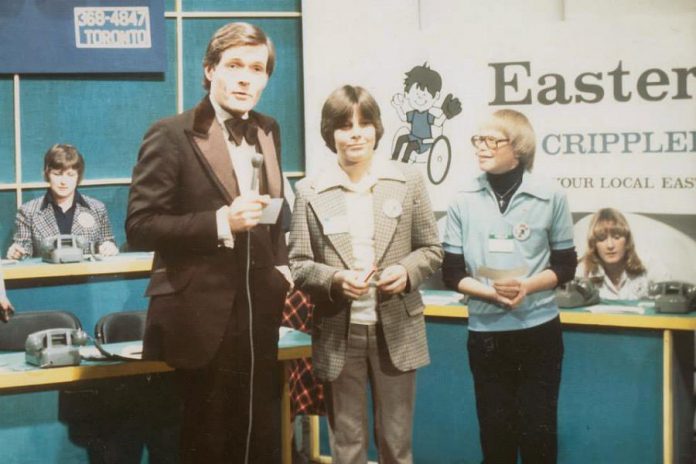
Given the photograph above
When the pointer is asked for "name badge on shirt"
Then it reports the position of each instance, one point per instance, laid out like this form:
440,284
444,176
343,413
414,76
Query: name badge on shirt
335,225
501,243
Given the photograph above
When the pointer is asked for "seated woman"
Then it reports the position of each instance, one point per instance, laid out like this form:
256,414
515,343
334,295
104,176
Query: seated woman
62,210
611,261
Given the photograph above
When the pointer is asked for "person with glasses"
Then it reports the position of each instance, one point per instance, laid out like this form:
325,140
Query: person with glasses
508,243
62,210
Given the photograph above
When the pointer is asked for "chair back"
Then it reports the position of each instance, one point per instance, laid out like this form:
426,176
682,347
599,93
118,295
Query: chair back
13,334
124,326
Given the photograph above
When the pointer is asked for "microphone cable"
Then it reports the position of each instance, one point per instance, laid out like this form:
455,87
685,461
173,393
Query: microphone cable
251,346
256,163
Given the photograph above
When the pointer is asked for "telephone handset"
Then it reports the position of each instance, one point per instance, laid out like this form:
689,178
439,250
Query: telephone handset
578,292
55,347
64,248
673,296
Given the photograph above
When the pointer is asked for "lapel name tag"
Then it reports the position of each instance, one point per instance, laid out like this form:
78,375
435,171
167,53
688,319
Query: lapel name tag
501,244
335,225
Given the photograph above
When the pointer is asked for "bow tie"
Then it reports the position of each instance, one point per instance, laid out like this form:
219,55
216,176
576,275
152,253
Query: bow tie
241,129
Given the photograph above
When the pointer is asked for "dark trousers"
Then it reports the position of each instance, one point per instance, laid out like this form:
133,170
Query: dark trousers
216,398
411,146
517,376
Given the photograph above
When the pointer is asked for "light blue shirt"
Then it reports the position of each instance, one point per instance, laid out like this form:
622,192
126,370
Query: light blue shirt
536,221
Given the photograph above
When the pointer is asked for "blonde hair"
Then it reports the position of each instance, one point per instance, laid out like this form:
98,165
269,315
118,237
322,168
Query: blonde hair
605,222
516,127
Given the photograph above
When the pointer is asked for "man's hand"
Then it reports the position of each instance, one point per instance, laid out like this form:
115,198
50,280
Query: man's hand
6,310
16,251
511,292
451,106
108,249
393,280
245,211
348,284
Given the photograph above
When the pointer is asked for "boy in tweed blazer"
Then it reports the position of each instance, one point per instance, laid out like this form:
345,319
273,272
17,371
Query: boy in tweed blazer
62,210
363,237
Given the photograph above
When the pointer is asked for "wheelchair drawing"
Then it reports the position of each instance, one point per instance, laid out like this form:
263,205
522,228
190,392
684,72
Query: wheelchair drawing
435,152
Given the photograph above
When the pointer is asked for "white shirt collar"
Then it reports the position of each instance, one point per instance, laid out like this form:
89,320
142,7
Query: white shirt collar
335,176
223,115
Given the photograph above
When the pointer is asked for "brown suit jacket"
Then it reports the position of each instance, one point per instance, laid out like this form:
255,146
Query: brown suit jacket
405,233
183,175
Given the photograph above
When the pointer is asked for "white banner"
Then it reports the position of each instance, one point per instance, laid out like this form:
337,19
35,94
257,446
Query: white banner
612,102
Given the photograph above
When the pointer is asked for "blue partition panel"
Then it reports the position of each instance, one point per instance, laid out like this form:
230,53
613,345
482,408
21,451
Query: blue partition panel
88,297
7,141
8,206
610,406
29,422
105,117
283,95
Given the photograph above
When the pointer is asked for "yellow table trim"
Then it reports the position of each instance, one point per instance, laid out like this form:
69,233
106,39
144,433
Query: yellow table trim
588,318
667,399
59,375
118,265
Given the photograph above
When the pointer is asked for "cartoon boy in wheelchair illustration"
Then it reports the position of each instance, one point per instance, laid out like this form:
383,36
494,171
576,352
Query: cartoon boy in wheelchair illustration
417,106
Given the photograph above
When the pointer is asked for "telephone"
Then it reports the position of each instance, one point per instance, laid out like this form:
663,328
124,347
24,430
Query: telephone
54,347
577,292
62,249
673,296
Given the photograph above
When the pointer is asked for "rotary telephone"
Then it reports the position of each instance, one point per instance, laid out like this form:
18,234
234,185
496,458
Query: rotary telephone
673,296
54,347
578,292
63,249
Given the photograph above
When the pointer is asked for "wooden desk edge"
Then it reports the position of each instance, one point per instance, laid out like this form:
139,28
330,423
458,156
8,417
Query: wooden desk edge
18,380
43,270
587,318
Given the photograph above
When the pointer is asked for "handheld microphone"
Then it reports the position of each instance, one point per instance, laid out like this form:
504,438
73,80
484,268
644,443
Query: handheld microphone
256,163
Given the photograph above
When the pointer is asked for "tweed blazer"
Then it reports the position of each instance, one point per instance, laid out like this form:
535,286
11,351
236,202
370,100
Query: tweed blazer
36,222
405,233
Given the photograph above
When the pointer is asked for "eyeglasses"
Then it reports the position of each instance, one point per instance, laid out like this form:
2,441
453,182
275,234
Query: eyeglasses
487,141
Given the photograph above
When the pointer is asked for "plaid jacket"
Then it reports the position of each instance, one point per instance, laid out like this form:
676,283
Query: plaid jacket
405,233
36,222
306,392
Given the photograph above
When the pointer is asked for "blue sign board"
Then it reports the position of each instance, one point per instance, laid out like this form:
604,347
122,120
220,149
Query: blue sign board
82,36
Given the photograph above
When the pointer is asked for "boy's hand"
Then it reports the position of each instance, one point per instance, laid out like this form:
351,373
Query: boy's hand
398,100
451,106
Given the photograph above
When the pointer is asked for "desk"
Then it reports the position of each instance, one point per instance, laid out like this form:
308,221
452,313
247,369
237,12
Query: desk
17,376
626,389
124,263
88,289
627,385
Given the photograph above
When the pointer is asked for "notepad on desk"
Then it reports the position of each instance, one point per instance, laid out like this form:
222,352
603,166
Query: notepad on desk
615,309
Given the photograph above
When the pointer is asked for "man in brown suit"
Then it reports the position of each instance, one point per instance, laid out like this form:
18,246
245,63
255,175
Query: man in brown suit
193,202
